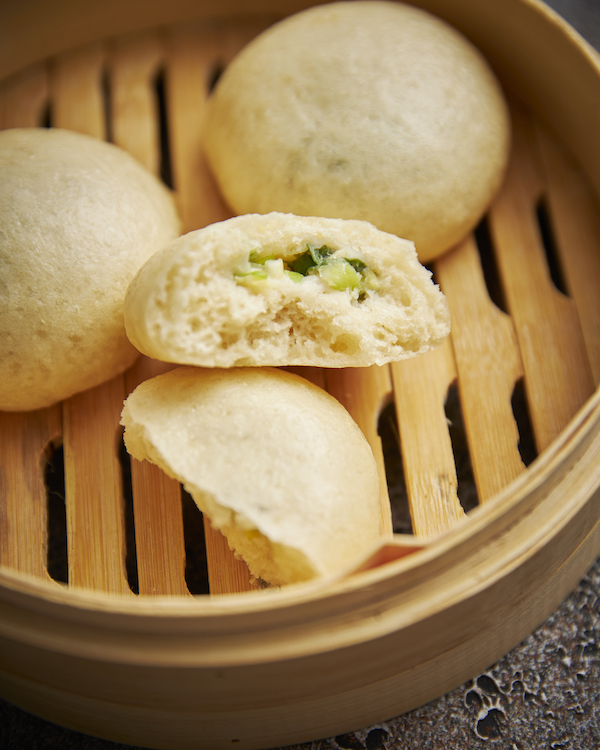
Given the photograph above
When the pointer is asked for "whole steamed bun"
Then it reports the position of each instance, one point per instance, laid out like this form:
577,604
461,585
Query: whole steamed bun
78,217
369,110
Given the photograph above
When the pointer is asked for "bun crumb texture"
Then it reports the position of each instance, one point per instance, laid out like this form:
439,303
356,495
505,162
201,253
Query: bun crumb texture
278,289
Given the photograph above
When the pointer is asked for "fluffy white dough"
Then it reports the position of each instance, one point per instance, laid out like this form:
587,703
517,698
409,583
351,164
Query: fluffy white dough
78,217
368,110
276,463
202,301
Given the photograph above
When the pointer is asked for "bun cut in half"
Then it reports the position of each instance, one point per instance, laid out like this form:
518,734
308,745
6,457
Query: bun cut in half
280,289
275,462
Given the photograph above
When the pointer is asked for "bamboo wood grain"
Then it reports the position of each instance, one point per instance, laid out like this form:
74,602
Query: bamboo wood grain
160,546
94,489
157,512
134,63
23,99
364,392
196,53
488,364
576,223
23,502
76,89
558,373
420,389
192,53
227,574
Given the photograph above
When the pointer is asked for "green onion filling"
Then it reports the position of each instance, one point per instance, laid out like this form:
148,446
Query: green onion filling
338,273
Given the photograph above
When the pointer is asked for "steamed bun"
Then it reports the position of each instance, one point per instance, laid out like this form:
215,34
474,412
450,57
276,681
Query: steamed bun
277,464
78,217
369,110
279,289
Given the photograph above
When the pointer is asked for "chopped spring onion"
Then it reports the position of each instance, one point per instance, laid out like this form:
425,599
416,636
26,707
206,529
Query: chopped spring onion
338,273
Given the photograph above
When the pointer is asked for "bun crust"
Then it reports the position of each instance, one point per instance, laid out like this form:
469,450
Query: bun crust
78,218
190,305
369,110
276,463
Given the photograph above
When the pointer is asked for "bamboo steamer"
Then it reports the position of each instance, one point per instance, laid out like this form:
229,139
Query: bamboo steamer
243,667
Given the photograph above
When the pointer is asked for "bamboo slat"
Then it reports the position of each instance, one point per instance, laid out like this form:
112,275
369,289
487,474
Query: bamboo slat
488,364
574,209
23,511
78,101
157,512
94,489
25,437
420,389
135,62
196,55
24,98
227,574
558,376
191,54
134,65
364,391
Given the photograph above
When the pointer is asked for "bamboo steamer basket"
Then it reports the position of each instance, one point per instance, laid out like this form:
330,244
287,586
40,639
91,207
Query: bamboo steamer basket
431,607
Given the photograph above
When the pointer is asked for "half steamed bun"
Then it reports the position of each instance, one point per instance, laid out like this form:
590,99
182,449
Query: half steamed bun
276,463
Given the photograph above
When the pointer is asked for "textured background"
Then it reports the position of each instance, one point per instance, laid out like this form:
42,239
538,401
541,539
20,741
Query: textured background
543,695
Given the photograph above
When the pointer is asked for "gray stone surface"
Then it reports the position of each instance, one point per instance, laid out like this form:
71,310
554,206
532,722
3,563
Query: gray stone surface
542,695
